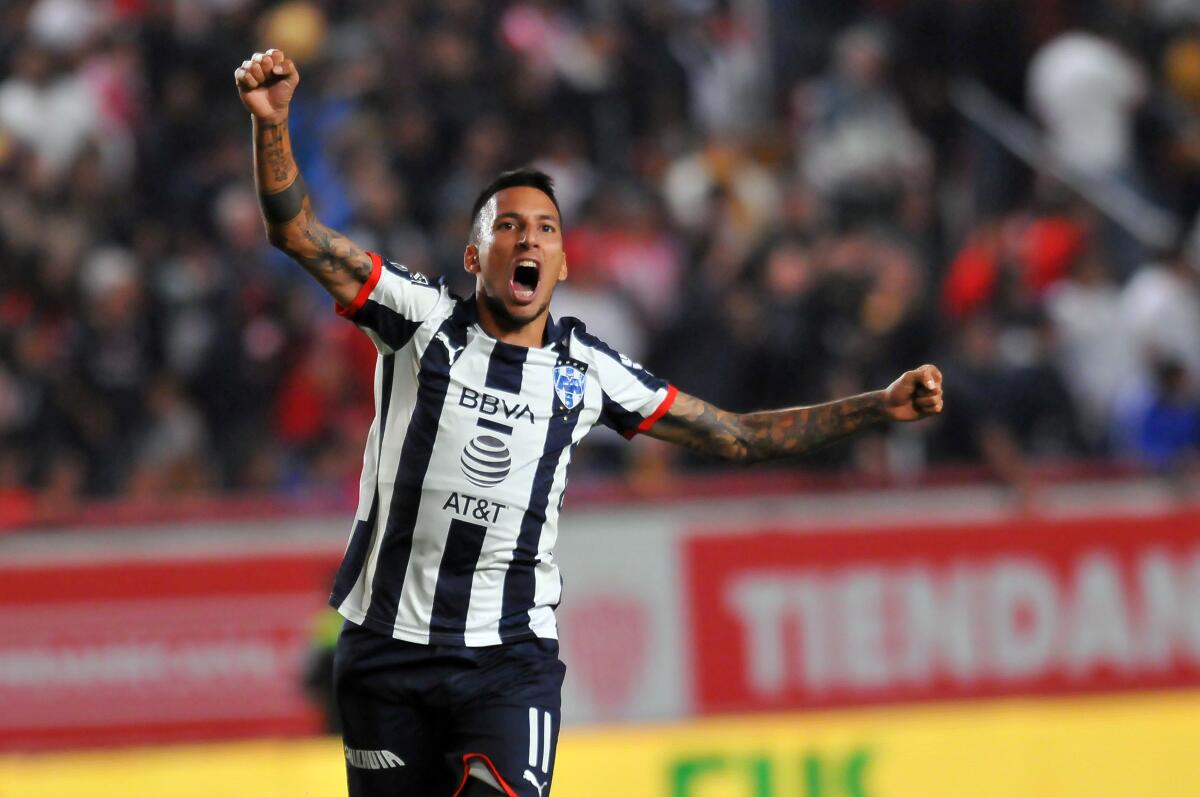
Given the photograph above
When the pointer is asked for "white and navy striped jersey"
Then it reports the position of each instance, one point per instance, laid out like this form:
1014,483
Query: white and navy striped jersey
466,464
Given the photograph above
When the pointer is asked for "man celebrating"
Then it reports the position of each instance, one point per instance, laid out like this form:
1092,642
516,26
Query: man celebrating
447,676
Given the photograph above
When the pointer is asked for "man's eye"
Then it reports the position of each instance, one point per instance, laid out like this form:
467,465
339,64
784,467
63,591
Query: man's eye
547,228
505,225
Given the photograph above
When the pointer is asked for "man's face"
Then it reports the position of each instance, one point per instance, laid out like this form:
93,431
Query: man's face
519,255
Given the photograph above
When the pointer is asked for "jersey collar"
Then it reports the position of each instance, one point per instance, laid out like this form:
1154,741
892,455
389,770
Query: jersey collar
467,314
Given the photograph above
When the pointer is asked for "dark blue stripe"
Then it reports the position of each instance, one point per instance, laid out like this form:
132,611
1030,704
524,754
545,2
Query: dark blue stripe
519,583
364,530
614,416
555,606
392,328
505,367
434,382
492,425
355,556
452,596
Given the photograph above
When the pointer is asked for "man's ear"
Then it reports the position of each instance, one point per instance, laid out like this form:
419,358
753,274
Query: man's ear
471,259
562,271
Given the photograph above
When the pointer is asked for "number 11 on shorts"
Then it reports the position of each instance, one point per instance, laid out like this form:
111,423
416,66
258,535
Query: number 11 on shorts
541,723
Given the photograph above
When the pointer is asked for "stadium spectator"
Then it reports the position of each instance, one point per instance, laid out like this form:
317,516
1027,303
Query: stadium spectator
1159,315
1158,421
48,108
856,144
1084,310
1085,89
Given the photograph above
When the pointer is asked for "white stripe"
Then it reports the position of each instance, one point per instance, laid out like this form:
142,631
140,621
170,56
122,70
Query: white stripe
546,743
358,599
533,732
547,584
366,479
413,301
383,347
400,411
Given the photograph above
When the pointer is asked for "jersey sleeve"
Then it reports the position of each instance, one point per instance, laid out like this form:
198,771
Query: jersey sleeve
393,303
633,398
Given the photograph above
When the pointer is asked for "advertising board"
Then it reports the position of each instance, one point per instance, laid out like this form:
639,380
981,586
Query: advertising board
168,648
669,611
1093,746
783,619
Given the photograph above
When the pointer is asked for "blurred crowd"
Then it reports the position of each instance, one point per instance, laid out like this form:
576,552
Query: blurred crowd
768,202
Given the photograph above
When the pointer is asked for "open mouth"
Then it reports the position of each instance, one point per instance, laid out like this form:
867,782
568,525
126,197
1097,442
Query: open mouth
525,280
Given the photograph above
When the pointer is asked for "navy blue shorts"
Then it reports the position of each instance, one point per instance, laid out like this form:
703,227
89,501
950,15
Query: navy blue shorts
416,718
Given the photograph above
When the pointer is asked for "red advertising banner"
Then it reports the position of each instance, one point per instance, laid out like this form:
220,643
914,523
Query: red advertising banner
157,650
781,618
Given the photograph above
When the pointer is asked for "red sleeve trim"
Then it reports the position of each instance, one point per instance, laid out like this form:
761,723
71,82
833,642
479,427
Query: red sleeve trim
365,291
645,425
508,790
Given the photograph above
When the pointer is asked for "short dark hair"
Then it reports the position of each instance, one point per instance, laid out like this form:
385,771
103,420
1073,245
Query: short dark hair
531,178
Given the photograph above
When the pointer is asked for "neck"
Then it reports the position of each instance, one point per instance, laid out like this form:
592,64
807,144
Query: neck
530,334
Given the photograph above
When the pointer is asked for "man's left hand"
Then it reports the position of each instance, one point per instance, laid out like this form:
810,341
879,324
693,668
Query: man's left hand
915,395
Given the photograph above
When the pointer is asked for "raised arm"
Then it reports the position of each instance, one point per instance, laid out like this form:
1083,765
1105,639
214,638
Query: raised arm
265,83
758,436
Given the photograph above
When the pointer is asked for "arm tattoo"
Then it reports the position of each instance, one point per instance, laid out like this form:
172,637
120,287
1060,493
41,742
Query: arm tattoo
283,206
328,253
757,436
271,148
337,262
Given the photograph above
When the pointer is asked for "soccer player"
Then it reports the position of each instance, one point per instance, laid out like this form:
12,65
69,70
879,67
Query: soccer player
447,674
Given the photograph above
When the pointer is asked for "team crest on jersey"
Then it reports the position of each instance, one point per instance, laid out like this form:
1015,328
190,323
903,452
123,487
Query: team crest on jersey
569,382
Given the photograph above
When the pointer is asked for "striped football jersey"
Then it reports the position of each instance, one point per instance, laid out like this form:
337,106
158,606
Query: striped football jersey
466,463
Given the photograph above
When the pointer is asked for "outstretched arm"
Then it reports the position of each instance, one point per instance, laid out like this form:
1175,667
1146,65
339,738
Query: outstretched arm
758,436
265,83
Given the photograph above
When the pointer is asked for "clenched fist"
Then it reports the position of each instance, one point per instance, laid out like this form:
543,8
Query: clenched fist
915,395
266,82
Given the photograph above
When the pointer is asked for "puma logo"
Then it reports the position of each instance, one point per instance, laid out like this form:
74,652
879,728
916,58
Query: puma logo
453,352
539,786
375,759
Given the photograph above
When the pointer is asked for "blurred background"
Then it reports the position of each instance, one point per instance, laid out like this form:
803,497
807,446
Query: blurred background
768,202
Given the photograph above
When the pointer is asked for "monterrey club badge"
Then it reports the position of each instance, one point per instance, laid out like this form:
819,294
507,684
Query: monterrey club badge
569,382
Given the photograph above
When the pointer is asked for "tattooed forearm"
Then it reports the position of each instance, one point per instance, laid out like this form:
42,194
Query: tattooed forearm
337,263
797,431
757,436
329,254
283,206
274,150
